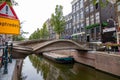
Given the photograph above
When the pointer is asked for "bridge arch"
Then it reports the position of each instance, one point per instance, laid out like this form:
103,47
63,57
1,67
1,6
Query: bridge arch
58,45
37,47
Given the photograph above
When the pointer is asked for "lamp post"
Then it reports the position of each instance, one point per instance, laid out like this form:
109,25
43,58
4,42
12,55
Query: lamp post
115,25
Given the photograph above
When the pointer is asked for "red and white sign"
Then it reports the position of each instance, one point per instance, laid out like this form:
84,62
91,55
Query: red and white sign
7,11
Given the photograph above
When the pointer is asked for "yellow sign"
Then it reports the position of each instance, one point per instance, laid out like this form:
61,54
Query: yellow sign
9,26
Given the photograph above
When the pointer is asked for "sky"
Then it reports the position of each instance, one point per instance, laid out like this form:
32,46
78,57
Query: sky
33,13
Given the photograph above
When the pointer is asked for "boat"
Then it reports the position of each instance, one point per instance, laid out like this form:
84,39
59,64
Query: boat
59,58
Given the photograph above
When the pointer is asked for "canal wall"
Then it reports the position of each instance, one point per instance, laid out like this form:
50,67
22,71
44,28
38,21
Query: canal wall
18,69
102,61
14,70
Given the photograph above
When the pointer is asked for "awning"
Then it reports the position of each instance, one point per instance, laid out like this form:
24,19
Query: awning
78,34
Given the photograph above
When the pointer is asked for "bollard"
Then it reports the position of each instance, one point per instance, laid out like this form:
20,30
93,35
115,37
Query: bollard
6,58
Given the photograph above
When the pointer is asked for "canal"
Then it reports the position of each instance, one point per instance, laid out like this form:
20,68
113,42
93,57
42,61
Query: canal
39,68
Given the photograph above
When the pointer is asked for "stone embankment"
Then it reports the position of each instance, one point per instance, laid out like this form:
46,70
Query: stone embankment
18,69
109,63
14,70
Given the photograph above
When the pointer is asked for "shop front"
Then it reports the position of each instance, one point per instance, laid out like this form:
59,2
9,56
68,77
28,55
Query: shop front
109,35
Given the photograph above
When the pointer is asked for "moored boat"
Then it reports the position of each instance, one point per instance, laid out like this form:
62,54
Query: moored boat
59,58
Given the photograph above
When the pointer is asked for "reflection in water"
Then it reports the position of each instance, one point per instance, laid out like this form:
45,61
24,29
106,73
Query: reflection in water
38,68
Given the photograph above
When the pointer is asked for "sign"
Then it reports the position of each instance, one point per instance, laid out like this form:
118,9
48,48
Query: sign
9,23
109,29
7,11
9,26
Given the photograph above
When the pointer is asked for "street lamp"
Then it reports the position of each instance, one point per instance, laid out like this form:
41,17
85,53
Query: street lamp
115,25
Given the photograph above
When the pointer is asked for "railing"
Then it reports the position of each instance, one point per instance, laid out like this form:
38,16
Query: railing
6,56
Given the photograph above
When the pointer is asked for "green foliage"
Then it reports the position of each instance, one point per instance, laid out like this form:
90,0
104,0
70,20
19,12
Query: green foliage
57,20
101,2
18,38
40,33
44,31
8,1
92,26
21,36
104,24
35,34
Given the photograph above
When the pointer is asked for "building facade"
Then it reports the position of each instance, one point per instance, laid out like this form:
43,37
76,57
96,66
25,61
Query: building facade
91,23
68,29
78,20
50,30
118,18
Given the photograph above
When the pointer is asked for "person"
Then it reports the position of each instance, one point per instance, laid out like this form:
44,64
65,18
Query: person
108,48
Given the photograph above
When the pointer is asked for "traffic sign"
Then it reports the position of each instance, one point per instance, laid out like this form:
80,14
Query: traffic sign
7,11
9,23
9,26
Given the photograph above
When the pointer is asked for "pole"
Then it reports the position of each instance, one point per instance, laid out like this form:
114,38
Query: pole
6,58
10,53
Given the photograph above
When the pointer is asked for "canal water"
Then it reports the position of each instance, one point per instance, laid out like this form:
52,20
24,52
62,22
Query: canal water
39,68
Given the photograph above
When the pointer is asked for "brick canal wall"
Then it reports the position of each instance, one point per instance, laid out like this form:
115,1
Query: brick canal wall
109,63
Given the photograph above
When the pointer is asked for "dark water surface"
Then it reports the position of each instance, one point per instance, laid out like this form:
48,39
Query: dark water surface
39,68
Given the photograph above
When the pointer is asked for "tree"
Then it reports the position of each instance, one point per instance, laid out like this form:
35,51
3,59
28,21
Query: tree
57,20
103,4
45,31
21,35
35,34
40,33
8,1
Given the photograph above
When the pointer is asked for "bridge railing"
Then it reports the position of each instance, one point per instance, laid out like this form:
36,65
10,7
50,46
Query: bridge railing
91,45
6,56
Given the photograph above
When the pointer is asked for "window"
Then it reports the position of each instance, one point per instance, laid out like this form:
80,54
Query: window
82,29
77,16
78,29
96,5
81,15
66,26
91,7
98,33
119,20
73,18
92,34
97,16
87,9
92,19
69,25
81,3
74,29
82,25
77,6
73,8
87,21
118,7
